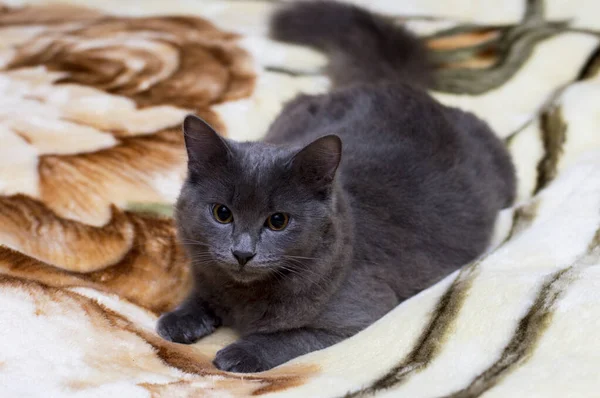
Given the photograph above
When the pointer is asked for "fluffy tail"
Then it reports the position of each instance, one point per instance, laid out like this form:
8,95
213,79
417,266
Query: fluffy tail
362,47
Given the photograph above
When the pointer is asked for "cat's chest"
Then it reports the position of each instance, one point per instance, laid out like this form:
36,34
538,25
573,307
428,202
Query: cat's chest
243,317
239,308
261,313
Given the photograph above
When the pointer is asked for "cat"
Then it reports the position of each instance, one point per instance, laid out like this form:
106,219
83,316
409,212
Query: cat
355,201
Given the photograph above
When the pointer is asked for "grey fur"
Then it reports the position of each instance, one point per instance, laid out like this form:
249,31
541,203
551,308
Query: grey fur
411,197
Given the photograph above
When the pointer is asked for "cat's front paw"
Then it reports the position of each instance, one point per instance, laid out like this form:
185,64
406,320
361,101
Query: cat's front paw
239,359
184,328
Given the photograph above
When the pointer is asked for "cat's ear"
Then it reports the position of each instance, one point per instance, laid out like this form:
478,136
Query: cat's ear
205,147
317,162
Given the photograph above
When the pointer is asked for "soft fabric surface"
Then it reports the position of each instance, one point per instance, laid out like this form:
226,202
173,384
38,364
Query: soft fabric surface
91,158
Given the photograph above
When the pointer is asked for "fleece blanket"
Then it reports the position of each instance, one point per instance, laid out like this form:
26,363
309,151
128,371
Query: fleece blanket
92,94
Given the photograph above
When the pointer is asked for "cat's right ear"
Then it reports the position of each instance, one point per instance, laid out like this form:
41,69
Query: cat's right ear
206,149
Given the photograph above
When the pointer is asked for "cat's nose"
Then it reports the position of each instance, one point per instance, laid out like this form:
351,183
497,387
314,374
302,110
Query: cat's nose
242,256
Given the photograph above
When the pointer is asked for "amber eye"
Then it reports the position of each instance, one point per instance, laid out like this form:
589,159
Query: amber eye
222,214
277,221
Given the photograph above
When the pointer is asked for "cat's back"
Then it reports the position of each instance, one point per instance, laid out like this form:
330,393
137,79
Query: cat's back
373,115
385,129
425,181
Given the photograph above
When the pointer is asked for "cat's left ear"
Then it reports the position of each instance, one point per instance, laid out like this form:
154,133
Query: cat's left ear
317,162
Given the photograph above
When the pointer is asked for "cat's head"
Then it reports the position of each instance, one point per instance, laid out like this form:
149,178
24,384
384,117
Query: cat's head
255,210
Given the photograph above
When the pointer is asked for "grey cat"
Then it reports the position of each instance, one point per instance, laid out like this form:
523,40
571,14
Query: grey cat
299,242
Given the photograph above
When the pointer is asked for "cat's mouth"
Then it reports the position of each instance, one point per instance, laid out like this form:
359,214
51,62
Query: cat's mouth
246,274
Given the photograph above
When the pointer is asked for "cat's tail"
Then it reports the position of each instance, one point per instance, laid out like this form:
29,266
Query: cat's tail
362,47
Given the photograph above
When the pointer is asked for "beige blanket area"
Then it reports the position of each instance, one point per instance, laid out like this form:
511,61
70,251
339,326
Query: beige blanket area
92,95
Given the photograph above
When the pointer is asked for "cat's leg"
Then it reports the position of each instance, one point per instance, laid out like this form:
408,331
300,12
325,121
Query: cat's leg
189,322
263,351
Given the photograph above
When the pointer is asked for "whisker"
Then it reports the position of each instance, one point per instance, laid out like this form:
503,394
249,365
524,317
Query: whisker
312,278
280,276
303,268
193,243
299,257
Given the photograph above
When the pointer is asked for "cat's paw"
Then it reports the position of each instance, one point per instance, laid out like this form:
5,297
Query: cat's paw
239,359
184,328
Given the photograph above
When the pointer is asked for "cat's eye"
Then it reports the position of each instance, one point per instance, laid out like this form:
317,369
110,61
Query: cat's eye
222,214
277,221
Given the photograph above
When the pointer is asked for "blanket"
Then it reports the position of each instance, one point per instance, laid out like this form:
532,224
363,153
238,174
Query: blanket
92,95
